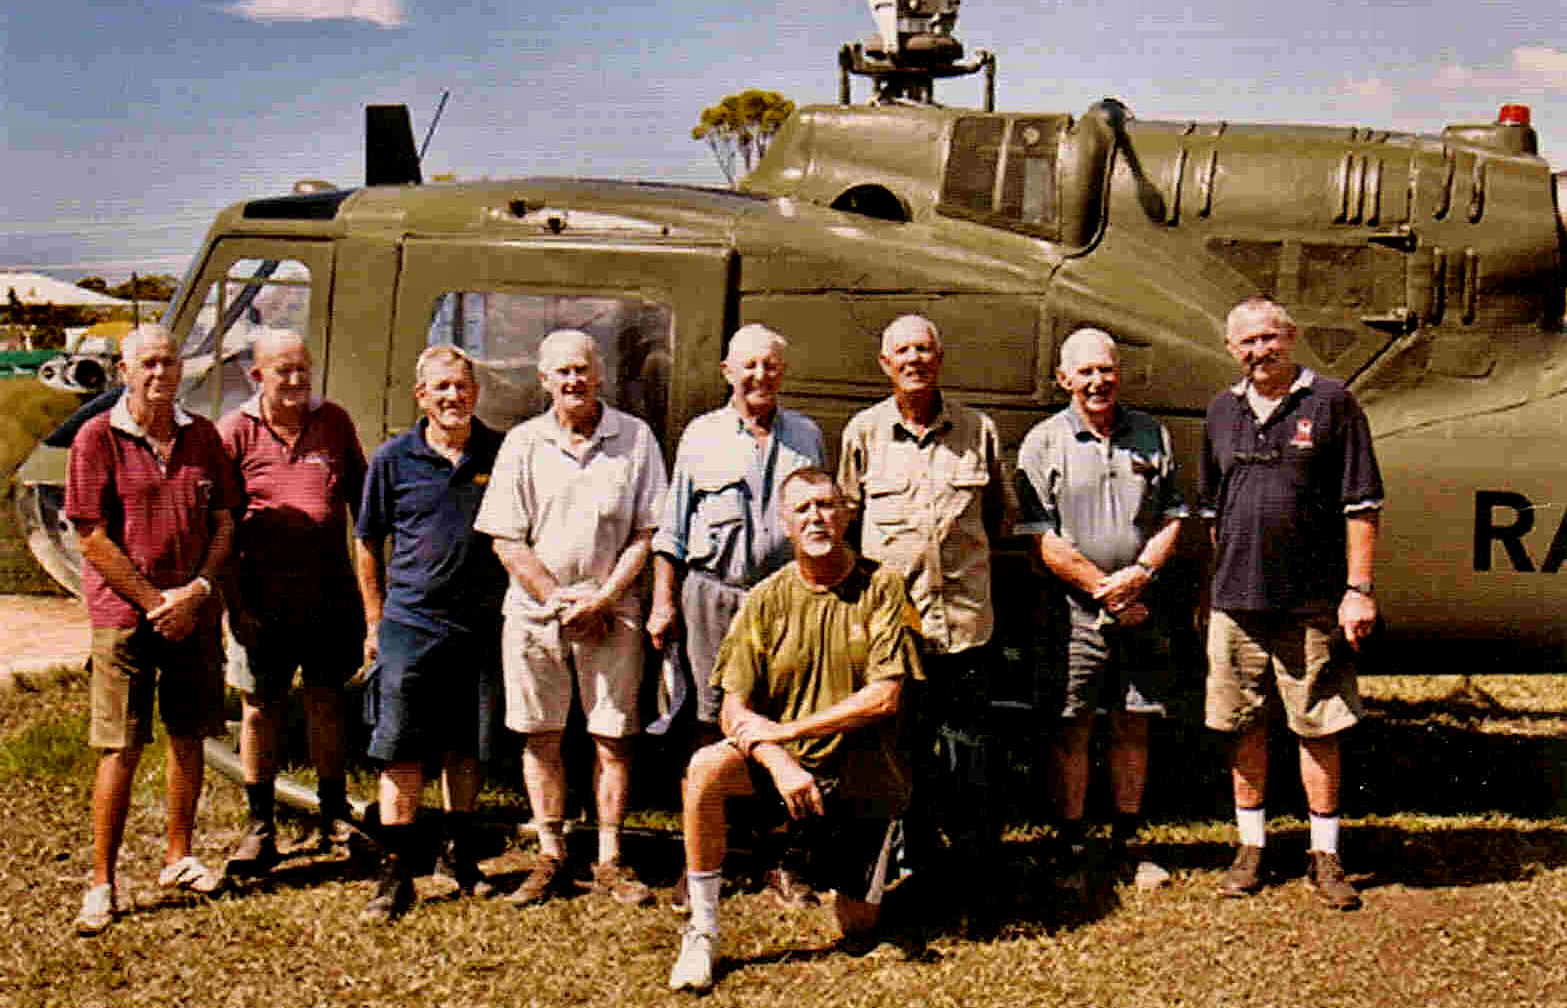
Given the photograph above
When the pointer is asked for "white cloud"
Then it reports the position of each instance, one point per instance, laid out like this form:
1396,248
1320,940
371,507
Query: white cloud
1453,77
1371,88
383,13
1544,66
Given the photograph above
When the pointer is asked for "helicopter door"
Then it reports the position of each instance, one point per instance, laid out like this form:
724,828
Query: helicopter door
246,287
656,312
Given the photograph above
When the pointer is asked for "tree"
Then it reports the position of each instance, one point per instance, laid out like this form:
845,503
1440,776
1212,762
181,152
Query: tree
96,284
740,127
154,287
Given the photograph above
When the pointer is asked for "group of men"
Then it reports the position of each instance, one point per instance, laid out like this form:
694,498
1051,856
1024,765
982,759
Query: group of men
836,630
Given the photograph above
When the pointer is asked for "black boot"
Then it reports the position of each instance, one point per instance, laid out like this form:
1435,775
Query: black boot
457,860
394,893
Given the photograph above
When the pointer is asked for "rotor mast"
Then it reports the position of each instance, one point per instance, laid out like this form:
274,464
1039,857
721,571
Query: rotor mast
913,47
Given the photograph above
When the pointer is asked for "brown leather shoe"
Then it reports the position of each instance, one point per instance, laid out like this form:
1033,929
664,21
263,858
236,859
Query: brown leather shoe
1325,876
1245,873
619,883
544,881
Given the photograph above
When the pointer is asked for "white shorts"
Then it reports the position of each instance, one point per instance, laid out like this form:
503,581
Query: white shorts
539,667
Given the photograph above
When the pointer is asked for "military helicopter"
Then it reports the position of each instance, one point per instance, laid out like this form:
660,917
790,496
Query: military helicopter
1425,270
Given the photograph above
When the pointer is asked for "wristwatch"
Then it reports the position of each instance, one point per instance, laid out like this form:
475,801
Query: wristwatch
1360,588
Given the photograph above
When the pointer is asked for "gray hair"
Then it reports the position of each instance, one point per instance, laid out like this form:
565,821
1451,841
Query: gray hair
562,340
442,353
910,322
1074,345
1258,307
755,334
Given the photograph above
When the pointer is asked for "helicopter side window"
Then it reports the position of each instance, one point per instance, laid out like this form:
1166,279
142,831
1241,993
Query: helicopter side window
502,332
255,295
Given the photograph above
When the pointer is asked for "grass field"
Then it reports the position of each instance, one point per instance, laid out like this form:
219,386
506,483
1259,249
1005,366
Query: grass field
1457,835
29,410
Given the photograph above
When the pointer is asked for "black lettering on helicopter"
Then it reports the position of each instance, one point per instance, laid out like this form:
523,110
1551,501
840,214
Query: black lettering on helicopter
1510,536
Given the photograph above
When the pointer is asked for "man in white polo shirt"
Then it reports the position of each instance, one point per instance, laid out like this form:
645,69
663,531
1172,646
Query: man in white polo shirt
572,508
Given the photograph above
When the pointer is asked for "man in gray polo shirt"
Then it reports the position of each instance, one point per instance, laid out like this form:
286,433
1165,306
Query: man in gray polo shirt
1096,489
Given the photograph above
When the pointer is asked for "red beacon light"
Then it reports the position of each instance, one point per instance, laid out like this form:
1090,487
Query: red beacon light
1513,115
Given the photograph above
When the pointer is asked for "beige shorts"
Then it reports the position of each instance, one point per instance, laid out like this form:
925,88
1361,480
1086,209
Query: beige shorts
131,668
539,668
1253,657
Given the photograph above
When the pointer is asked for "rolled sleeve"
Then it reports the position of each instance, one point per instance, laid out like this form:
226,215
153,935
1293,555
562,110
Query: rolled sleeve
504,512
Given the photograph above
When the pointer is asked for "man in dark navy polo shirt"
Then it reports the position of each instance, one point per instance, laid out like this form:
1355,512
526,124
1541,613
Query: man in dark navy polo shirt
433,620
1291,486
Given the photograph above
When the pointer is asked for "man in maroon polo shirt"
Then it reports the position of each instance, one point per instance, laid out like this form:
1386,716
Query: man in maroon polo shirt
149,493
291,595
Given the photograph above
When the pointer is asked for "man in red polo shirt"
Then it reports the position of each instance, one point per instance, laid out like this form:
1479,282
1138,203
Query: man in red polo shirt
291,595
150,492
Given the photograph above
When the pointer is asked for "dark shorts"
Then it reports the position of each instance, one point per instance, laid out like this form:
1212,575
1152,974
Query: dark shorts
326,651
1112,667
433,692
845,853
131,668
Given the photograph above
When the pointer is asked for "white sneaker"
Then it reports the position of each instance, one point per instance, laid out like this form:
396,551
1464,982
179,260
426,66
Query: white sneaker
1150,875
694,969
98,911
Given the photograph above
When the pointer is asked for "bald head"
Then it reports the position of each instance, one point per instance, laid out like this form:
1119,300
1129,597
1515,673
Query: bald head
131,343
268,343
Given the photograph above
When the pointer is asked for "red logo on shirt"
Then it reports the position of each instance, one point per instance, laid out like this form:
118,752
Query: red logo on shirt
1302,438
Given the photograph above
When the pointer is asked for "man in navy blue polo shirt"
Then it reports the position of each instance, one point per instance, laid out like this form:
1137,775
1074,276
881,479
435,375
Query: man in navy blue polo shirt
433,621
1291,486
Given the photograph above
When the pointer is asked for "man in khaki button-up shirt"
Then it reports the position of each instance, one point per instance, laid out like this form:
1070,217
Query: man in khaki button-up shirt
923,474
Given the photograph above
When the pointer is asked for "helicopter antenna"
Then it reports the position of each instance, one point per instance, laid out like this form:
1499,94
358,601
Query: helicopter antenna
439,108
914,46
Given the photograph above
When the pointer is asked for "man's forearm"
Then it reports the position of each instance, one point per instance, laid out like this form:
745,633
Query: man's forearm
867,705
1158,550
525,566
628,566
215,563
1064,560
116,568
368,572
1361,544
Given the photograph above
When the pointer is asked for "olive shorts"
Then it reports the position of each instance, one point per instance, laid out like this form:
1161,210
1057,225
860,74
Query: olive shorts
1256,656
133,667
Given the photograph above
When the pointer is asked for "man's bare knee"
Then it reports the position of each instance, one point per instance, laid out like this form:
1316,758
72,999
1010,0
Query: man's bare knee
716,767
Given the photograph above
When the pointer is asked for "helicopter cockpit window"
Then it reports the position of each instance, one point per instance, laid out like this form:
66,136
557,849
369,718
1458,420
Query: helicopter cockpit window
255,295
1003,173
502,332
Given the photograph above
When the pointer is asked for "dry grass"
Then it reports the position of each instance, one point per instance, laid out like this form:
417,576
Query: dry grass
1466,904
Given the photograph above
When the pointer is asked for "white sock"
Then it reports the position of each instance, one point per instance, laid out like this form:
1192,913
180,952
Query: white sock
703,888
609,844
1324,833
1253,825
552,837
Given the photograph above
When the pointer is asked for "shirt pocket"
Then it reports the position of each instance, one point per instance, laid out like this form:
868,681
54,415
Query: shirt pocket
886,506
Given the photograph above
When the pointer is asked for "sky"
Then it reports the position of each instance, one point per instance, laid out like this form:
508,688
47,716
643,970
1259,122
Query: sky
126,124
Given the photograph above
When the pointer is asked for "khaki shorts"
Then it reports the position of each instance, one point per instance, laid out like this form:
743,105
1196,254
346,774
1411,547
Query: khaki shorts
1253,657
539,668
132,667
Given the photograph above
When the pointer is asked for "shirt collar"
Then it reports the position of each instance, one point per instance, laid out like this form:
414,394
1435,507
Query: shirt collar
608,427
942,421
252,407
121,420
1303,378
1080,426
